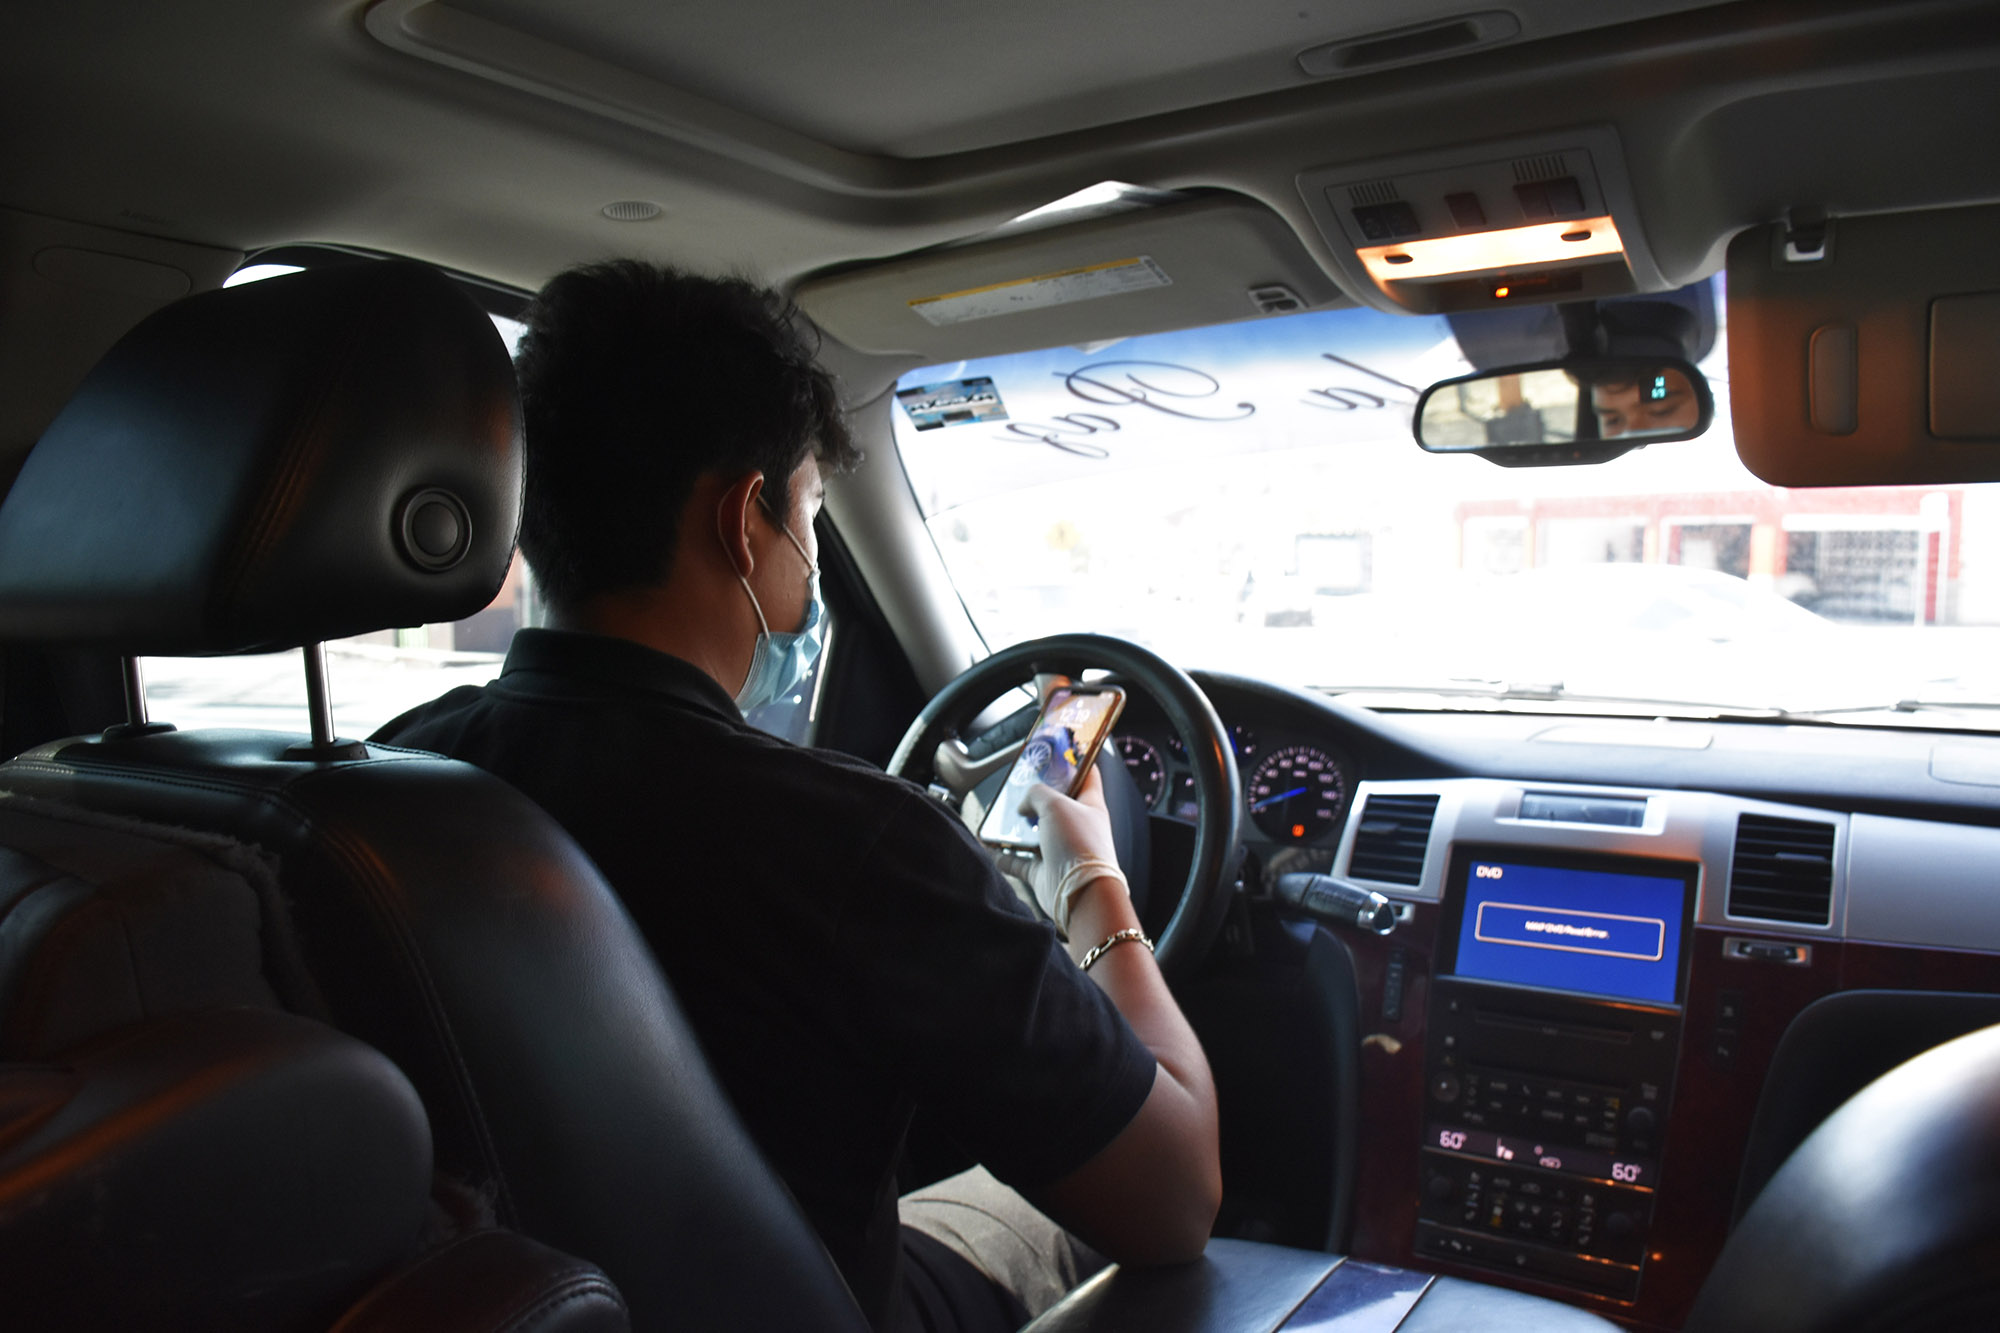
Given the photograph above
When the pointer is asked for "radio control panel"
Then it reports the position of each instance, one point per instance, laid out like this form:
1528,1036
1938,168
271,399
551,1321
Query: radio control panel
1544,1115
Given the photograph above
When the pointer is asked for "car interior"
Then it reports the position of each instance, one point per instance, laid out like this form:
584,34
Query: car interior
1535,471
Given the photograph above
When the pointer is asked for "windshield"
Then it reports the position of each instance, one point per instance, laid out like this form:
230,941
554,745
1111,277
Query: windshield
1248,497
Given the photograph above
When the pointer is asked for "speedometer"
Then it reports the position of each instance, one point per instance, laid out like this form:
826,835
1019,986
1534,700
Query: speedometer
1142,761
1297,793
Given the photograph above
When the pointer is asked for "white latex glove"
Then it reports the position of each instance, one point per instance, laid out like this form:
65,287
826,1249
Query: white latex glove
1075,835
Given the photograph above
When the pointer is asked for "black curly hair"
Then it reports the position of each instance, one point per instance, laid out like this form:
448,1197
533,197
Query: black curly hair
636,379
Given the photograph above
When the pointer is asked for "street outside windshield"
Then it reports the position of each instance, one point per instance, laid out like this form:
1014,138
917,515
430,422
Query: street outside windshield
1249,498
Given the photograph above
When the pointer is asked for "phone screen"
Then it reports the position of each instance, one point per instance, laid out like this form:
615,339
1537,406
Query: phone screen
1062,746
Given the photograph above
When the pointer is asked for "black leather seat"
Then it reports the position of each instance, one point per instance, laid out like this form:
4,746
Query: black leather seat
181,1148
317,456
1886,1218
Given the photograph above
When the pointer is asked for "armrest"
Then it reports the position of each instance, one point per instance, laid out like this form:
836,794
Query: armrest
1235,1286
1242,1287
492,1282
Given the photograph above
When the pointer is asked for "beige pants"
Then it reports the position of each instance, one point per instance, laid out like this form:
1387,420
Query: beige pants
1002,1235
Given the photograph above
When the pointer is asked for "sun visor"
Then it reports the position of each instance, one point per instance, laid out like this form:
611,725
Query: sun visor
1204,261
1868,354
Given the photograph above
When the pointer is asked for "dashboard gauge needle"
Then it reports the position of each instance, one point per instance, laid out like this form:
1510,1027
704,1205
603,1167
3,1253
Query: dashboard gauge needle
1273,800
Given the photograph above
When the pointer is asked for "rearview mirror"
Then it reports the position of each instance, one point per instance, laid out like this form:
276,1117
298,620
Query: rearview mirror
1564,412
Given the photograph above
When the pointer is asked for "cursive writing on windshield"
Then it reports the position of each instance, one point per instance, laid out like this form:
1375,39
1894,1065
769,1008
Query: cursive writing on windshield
1157,386
1347,398
1183,392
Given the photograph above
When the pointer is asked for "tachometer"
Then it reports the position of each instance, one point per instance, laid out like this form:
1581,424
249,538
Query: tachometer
1297,793
1143,762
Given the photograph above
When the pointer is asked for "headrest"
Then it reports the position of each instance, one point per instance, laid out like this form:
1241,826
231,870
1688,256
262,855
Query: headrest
298,459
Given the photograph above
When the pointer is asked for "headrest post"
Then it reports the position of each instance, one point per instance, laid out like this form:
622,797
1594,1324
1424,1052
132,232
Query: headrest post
323,748
318,702
135,692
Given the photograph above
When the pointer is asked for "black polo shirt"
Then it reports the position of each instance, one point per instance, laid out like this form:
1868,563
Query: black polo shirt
841,944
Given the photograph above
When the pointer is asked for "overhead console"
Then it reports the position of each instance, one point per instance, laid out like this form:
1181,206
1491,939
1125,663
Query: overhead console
1547,218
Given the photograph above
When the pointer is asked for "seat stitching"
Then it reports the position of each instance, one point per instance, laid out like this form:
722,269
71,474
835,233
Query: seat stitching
366,870
575,1288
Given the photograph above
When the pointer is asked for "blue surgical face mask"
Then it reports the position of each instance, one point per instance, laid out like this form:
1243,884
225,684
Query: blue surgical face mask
781,660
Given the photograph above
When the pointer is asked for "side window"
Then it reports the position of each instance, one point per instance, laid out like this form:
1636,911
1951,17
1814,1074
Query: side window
372,677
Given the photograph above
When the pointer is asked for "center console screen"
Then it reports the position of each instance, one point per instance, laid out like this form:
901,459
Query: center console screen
1595,925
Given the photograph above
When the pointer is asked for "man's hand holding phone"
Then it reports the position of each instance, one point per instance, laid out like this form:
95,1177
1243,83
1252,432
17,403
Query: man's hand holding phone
1077,849
1059,750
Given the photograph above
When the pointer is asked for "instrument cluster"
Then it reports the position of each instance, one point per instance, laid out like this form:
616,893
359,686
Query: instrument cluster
1295,788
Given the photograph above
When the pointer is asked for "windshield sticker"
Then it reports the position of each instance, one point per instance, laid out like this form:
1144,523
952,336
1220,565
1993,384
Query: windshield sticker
953,403
1048,289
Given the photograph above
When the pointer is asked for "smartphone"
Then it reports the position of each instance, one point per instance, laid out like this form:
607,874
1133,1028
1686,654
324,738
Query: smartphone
1060,750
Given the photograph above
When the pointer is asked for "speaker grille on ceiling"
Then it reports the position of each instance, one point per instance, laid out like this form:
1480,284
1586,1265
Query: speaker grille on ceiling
1402,46
632,210
1545,168
1373,192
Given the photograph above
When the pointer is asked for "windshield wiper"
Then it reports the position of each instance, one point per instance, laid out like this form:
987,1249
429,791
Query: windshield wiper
1903,706
1555,692
1904,711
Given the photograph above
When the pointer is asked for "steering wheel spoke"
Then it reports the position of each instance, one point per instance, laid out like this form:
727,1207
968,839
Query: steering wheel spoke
958,771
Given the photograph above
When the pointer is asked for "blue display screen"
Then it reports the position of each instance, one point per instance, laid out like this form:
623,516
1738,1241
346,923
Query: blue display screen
1597,931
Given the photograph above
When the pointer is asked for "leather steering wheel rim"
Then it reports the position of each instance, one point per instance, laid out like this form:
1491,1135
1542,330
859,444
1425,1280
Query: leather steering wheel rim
1218,786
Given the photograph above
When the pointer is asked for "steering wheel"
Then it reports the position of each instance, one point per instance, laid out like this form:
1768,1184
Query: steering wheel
932,751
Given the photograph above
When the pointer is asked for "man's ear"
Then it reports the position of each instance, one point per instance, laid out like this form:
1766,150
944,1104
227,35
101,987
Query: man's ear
733,518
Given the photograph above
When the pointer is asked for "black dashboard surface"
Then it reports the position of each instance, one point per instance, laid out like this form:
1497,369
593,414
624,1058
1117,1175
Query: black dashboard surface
1952,776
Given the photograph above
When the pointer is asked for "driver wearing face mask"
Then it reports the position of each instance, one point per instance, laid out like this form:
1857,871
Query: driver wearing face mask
779,662
845,949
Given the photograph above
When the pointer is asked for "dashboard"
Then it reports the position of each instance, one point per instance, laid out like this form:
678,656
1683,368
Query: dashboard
1608,932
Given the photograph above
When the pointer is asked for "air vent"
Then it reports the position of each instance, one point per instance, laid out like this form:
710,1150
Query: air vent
1390,841
1782,870
1544,168
1373,192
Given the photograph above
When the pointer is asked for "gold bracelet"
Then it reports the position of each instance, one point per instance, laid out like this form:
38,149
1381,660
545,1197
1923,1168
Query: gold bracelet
1112,941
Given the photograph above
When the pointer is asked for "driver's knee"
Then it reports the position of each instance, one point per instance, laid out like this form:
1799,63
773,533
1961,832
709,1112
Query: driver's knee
1012,1243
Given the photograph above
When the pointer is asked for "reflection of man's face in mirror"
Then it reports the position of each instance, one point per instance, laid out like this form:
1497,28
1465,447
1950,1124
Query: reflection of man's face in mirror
1657,404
